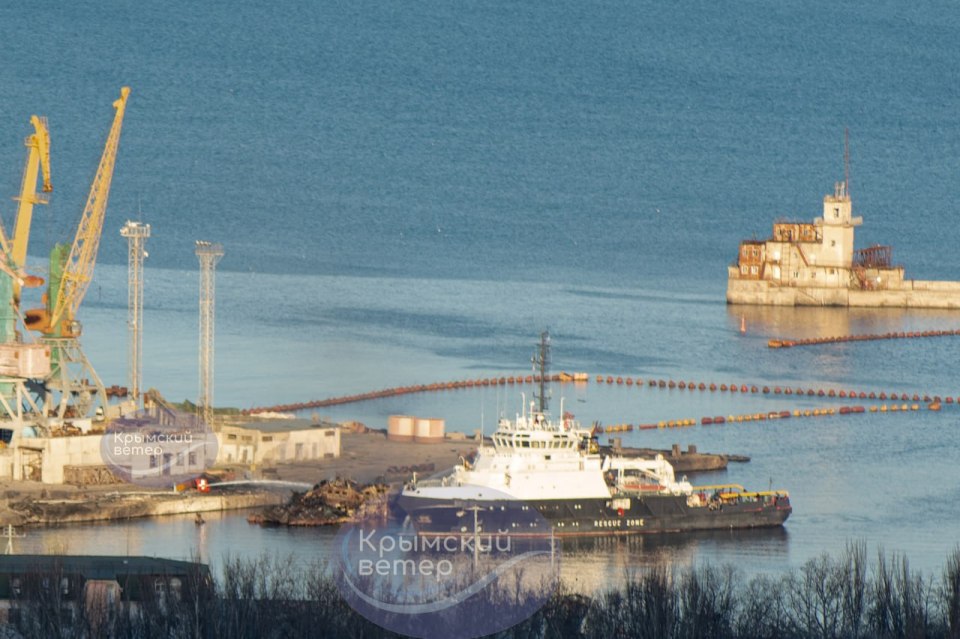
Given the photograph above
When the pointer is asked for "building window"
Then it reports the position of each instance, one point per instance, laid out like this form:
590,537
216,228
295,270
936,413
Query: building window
231,436
796,274
753,270
153,461
833,242
192,459
836,212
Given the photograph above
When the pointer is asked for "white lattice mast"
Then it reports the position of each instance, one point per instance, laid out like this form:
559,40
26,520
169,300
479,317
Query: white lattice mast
136,234
209,254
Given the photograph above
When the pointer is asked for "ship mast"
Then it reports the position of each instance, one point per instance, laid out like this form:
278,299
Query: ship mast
541,361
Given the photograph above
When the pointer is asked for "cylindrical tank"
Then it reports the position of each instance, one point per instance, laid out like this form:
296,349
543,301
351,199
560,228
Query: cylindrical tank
429,431
400,428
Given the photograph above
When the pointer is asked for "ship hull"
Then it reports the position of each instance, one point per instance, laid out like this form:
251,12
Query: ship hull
633,515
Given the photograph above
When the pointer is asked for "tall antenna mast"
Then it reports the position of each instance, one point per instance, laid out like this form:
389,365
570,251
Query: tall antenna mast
846,159
541,361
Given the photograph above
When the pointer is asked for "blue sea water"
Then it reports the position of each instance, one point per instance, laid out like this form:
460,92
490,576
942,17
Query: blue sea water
410,193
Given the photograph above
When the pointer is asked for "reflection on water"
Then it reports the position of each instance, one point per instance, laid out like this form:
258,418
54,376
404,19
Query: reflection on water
801,322
592,564
179,537
588,564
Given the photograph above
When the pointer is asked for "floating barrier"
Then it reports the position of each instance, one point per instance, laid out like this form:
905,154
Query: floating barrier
787,414
815,341
581,378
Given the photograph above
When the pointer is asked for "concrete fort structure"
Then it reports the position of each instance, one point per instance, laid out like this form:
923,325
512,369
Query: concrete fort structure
816,264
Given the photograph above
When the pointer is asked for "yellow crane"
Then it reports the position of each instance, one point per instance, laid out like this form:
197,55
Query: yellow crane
72,382
70,277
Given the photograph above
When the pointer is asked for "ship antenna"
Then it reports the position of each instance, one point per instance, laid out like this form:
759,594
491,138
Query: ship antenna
542,361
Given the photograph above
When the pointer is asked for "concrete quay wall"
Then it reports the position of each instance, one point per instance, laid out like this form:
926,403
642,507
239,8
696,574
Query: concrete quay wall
908,294
132,505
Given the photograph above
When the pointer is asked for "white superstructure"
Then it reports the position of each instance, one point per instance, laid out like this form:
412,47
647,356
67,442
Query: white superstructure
536,458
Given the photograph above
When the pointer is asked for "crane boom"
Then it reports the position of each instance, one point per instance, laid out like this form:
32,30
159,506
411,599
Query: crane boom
38,158
78,268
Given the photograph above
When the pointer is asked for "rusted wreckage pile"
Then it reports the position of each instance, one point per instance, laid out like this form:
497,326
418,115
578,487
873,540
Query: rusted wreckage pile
329,502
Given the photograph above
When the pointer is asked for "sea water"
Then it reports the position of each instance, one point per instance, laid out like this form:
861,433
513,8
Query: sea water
410,194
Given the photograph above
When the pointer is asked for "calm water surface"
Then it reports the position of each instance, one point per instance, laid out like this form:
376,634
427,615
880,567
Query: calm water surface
409,194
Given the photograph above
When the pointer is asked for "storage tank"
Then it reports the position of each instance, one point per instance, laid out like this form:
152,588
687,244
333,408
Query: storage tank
400,428
429,431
